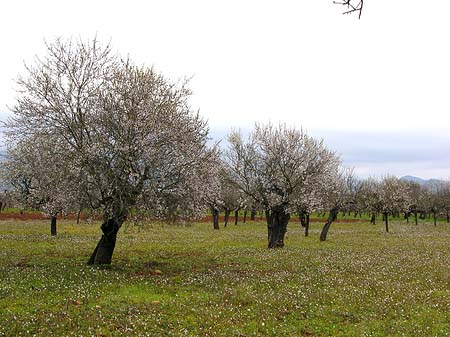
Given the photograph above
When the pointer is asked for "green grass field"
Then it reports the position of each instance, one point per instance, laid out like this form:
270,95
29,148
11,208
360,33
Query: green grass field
193,281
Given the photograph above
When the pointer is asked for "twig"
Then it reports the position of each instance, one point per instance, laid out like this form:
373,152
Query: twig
351,7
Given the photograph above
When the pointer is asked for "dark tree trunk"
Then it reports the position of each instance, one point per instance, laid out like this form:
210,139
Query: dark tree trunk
386,221
277,221
78,216
302,218
415,217
373,219
236,217
407,217
104,250
253,214
326,227
434,218
448,217
245,216
307,224
215,216
53,225
226,217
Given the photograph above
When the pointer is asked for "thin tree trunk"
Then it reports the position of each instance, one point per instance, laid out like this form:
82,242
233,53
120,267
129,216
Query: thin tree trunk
332,217
78,216
53,225
307,224
386,221
448,217
415,217
434,218
226,217
236,217
373,219
245,216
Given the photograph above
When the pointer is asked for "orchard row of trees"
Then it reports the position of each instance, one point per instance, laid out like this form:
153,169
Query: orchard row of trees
386,197
92,130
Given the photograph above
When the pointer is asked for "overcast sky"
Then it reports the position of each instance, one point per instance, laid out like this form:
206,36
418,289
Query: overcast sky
376,89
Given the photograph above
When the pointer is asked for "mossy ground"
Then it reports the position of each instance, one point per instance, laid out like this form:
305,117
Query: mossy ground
171,280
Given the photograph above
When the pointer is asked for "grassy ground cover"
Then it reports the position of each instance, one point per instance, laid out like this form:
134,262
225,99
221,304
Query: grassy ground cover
193,281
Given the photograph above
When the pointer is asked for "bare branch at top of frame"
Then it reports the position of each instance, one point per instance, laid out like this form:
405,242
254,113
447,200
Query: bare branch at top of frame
351,7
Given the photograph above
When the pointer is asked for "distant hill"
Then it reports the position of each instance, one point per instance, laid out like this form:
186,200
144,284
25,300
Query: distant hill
418,180
423,182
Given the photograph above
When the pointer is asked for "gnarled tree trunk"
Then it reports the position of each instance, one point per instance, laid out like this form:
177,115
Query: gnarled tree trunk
215,216
332,217
277,221
104,250
304,220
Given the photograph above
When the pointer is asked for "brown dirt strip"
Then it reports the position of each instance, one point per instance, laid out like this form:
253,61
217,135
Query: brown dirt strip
40,216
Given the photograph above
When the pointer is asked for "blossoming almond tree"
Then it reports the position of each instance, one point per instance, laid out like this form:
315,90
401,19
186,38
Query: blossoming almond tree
273,166
369,198
41,177
128,129
339,191
394,197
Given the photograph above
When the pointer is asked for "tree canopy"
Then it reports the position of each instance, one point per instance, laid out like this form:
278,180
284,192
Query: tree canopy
127,130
